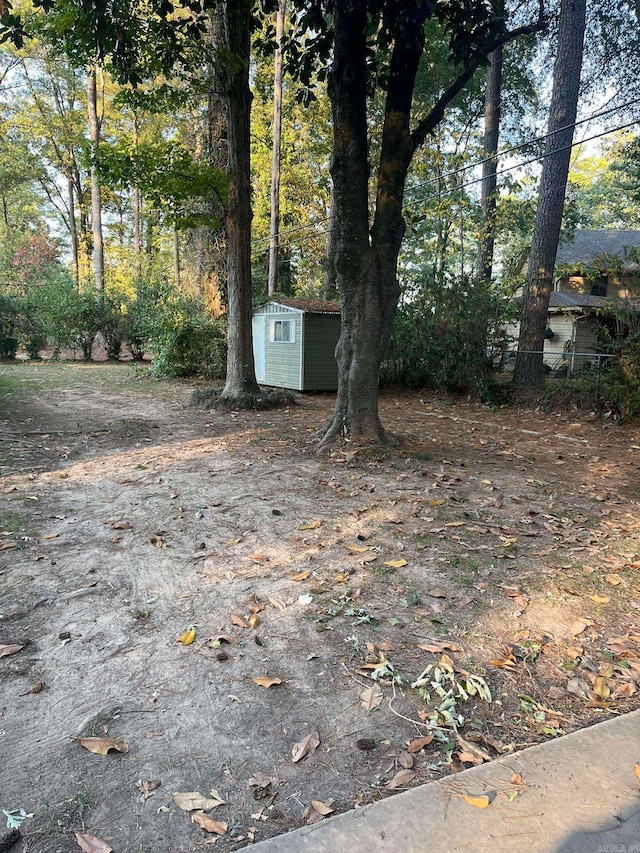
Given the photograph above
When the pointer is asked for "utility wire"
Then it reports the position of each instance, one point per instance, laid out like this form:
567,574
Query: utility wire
500,172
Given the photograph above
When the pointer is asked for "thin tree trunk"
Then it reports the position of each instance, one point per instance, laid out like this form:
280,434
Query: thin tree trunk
137,236
241,377
330,288
96,193
529,368
274,226
490,166
73,232
176,257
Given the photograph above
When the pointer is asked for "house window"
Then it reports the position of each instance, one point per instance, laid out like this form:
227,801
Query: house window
282,331
599,286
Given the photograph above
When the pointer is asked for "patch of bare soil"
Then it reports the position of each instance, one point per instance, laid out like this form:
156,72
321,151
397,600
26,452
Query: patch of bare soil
246,618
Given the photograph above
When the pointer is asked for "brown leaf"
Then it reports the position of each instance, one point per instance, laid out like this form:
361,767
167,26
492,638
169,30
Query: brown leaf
480,802
578,626
405,759
277,603
189,801
438,592
614,580
238,621
311,525
91,844
120,525
637,770
301,576
7,546
516,779
103,745
9,650
401,779
265,681
231,639
357,549
207,823
322,808
306,746
254,621
396,564
419,743
147,788
371,697
437,647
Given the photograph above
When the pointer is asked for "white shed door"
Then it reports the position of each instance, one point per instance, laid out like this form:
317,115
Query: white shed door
259,346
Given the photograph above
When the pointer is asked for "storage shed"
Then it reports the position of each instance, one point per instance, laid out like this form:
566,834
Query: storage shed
294,342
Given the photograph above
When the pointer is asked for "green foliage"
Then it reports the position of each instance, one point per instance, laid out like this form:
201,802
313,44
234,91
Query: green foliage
442,338
184,340
8,332
59,311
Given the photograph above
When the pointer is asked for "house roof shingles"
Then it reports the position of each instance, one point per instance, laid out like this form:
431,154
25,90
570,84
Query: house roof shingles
587,245
310,306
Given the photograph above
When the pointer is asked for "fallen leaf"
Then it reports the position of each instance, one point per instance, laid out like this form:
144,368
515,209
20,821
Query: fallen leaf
254,621
261,780
438,592
637,770
371,697
578,626
322,808
357,549
419,743
436,502
91,844
306,746
216,642
147,788
50,536
189,801
188,636
342,577
600,599
480,802
301,576
614,580
103,745
265,681
311,525
395,564
9,650
401,779
405,759
516,779
231,541
238,621
7,546
601,688
207,823
436,647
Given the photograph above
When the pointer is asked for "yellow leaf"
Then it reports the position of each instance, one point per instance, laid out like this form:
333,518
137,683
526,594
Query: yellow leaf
357,549
342,577
188,636
103,745
396,564
487,482
254,621
265,681
600,688
301,576
436,502
480,802
231,541
637,770
311,525
600,599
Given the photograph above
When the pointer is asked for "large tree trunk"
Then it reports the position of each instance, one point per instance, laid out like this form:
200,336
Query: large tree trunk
274,225
490,166
555,169
241,377
366,263
96,193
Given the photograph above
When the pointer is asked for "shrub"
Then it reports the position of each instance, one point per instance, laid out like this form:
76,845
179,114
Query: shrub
8,331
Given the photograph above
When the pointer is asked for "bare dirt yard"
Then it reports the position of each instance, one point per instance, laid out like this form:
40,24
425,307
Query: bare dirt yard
221,611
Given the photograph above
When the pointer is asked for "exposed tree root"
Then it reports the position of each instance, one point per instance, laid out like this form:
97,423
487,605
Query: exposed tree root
212,398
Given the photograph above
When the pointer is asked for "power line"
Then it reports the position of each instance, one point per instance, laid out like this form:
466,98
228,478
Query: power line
466,184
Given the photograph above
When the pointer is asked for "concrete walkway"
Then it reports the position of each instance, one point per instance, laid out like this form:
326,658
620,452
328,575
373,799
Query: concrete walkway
577,794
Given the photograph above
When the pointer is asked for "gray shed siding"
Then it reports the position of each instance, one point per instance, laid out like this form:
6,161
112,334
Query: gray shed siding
321,333
283,360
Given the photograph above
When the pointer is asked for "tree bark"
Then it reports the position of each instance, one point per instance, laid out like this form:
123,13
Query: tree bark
330,286
529,368
73,232
274,226
366,262
241,378
137,203
489,182
96,193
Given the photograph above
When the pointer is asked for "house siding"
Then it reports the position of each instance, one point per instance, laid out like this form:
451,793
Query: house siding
282,360
321,333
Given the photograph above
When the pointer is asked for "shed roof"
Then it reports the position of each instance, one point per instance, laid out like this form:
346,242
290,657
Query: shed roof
310,306
560,300
586,245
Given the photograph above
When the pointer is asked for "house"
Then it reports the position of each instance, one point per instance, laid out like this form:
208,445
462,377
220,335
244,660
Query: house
595,271
294,342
